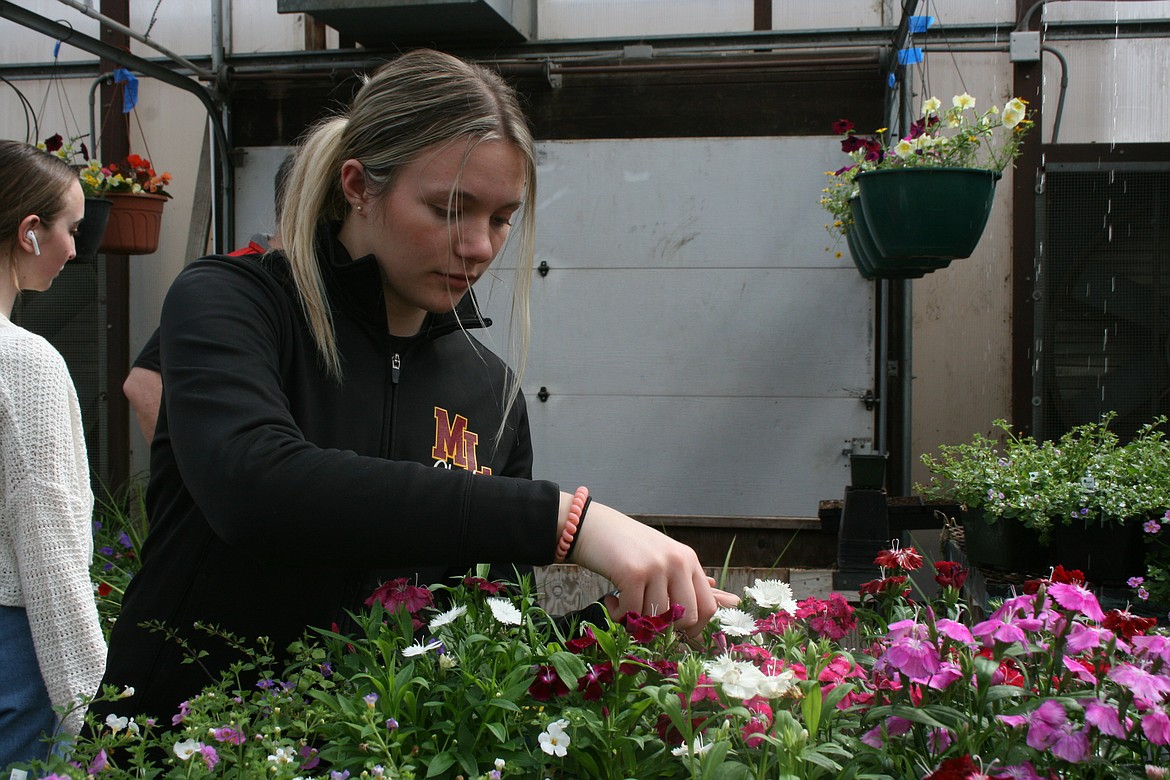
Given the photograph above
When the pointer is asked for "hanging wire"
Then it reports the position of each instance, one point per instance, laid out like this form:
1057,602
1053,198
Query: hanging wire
30,115
153,19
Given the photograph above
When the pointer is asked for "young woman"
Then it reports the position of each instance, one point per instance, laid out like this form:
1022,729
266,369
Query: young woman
51,646
329,421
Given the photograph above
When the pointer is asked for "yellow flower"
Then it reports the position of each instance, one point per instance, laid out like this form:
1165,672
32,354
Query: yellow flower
931,106
1013,113
963,102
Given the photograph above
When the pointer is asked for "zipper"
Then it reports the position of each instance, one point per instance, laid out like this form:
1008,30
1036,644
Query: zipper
395,368
390,414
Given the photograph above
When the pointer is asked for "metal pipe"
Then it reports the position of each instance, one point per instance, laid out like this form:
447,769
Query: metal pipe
1063,89
60,32
119,27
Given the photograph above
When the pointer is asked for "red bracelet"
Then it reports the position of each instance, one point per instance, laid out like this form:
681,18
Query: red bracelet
576,508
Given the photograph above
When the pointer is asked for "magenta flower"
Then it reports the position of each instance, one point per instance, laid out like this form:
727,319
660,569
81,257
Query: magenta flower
914,657
596,676
948,673
184,711
1082,637
1134,582
1077,598
1104,718
100,762
1154,646
547,684
1146,686
955,631
229,734
997,630
894,727
1156,726
1049,729
210,757
1151,527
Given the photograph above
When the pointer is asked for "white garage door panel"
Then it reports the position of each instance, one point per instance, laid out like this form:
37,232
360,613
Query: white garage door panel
698,456
699,332
669,203
703,353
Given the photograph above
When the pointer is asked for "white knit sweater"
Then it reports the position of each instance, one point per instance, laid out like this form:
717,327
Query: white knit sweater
46,515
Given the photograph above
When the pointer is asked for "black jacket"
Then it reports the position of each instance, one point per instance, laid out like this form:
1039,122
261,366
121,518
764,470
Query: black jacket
279,498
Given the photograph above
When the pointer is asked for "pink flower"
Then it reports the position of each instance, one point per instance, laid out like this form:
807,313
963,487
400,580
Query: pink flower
1156,727
948,673
210,757
912,656
955,631
1156,646
1104,718
399,592
1144,685
1077,598
893,727
100,762
999,631
232,736
1049,729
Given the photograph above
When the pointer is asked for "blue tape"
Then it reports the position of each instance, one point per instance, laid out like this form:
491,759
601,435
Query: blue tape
911,56
56,49
919,24
130,91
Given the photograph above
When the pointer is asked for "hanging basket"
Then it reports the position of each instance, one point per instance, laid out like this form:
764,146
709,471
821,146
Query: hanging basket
93,227
872,263
927,213
135,224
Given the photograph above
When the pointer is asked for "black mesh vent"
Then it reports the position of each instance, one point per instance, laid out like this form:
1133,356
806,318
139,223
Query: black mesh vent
71,316
1103,308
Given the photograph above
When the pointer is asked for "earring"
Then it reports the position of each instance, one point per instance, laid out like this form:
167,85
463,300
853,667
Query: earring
359,208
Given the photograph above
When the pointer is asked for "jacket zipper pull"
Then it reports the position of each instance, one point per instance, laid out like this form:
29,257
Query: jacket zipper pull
395,368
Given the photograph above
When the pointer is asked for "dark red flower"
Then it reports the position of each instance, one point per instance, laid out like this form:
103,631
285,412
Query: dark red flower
54,142
104,589
903,558
595,676
479,583
671,735
668,669
950,574
581,643
959,768
547,684
842,126
642,629
400,593
1067,576
852,143
1126,624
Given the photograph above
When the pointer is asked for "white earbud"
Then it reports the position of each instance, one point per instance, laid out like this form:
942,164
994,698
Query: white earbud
36,245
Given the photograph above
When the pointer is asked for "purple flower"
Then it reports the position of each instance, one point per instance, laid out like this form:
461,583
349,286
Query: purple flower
912,656
894,727
1049,729
229,734
210,757
1143,594
1155,646
100,762
1151,527
184,711
1135,582
342,775
124,540
370,699
310,756
391,724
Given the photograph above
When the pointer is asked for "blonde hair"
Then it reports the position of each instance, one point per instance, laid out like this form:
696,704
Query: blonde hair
422,98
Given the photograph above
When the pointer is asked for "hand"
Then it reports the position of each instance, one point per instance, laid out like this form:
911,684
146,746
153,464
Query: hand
650,570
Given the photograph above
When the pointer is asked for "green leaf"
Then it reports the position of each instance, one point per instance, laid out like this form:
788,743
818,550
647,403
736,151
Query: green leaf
811,705
440,764
569,667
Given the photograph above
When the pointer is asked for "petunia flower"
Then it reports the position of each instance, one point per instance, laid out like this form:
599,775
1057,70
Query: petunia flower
187,748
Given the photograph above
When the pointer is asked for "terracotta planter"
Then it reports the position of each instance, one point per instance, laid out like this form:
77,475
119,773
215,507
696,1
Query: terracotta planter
921,213
92,229
135,224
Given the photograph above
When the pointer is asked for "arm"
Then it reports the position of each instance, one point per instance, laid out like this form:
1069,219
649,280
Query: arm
143,389
43,451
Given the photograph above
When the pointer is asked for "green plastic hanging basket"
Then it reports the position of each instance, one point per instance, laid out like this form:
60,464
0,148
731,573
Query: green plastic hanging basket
927,213
869,259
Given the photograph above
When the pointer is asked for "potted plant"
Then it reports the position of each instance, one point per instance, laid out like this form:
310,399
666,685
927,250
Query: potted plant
1081,500
925,199
137,196
97,208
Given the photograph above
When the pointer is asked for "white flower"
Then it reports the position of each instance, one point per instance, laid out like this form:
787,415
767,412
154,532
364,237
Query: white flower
555,741
905,148
418,648
931,106
187,748
698,748
772,594
504,611
735,622
773,686
115,723
447,661
963,102
282,755
127,692
738,679
1013,113
500,764
448,617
